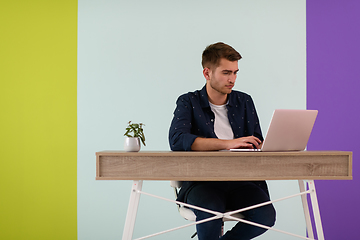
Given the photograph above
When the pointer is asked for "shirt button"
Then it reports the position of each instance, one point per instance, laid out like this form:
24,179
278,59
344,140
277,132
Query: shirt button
212,120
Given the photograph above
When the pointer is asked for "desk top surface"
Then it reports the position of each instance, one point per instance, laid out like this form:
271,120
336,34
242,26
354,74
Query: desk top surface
223,165
217,153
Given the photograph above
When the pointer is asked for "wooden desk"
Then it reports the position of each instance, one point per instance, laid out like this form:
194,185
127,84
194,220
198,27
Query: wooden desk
221,166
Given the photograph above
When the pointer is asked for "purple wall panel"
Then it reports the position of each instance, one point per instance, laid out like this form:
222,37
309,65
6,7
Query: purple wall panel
333,87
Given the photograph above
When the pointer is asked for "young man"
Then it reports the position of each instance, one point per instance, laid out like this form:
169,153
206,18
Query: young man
217,118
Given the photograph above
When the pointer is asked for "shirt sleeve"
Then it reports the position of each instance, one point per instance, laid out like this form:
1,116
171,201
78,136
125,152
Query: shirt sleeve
254,123
180,136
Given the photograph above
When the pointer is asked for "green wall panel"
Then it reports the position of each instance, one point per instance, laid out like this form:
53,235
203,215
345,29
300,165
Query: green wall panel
38,72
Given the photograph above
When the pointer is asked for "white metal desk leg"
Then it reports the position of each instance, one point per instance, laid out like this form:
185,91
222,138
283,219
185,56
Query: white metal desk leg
132,210
306,210
316,211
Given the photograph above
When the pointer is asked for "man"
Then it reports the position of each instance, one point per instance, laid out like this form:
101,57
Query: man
217,118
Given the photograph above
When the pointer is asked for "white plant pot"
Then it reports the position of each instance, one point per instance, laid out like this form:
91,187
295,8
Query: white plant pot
132,144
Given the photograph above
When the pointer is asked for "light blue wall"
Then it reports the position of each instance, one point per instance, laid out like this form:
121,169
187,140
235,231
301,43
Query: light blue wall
134,60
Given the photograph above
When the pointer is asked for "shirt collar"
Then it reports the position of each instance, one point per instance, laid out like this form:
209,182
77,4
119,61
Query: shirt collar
204,100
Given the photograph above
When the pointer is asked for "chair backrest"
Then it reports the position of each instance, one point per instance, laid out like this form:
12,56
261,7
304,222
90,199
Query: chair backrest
176,184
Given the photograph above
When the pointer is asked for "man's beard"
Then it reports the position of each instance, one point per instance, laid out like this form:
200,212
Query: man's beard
218,89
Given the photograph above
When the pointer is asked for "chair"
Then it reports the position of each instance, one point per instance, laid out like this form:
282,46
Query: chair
188,214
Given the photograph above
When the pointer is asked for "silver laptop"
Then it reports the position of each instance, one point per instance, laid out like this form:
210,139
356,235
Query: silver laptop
289,130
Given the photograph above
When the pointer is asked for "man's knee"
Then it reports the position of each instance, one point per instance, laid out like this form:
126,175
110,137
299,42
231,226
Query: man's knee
269,215
265,215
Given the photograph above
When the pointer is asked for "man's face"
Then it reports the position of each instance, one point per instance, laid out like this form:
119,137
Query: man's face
222,78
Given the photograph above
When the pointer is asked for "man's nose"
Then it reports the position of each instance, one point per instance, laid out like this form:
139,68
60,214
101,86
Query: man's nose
232,78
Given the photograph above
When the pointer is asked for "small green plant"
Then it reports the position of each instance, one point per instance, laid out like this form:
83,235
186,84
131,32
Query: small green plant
135,130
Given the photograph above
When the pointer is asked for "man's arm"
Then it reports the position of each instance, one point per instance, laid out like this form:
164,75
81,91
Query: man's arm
180,136
213,144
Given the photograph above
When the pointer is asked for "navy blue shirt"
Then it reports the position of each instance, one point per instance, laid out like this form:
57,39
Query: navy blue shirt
193,118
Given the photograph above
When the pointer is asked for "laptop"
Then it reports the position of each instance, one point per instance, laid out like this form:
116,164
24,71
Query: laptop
289,130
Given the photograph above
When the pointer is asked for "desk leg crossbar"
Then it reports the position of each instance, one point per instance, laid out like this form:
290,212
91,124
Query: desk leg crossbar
135,197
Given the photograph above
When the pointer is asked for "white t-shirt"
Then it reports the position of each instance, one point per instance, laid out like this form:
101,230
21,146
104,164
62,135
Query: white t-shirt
221,126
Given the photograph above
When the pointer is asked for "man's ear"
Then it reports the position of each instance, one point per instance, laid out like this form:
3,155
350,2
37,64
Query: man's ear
206,73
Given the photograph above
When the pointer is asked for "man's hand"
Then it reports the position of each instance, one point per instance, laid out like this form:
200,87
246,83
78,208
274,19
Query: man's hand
212,144
244,142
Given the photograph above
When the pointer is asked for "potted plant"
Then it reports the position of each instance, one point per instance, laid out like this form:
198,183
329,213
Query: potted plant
134,134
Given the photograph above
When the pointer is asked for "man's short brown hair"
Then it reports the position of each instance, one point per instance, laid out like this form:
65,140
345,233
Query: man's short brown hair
214,52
